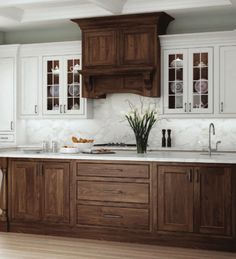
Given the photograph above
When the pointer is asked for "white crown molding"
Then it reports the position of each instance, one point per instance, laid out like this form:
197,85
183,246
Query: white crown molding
113,6
68,47
198,39
133,6
22,2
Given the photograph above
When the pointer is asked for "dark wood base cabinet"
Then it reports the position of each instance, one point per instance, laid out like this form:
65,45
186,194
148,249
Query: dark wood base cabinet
188,205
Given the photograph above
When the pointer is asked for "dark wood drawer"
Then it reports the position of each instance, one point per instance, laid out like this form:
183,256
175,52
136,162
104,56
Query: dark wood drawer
113,191
113,170
113,217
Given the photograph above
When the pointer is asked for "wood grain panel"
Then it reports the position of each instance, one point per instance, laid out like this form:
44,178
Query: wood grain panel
113,217
214,206
113,170
100,48
56,198
175,199
113,191
25,191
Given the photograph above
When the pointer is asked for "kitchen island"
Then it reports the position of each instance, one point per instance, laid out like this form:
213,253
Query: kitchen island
173,198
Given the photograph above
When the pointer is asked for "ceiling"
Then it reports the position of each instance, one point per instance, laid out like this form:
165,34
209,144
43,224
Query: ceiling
29,14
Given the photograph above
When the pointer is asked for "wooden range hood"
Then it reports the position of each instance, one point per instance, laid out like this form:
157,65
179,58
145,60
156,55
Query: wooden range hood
121,54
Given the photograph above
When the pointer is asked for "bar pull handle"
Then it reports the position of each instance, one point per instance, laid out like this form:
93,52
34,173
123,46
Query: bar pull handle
189,175
185,107
221,107
36,109
64,108
112,216
189,108
60,108
12,125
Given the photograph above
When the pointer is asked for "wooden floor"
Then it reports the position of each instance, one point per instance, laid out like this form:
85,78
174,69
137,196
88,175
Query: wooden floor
19,246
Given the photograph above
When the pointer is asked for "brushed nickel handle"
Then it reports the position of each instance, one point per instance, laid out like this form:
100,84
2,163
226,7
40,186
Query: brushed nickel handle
60,108
112,216
64,108
3,138
36,109
12,125
185,107
189,108
222,107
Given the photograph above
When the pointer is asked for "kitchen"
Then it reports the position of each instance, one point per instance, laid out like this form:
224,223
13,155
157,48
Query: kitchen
43,57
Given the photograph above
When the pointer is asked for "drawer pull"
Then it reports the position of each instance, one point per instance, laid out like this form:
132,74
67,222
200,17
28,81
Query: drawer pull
113,169
4,138
113,191
112,216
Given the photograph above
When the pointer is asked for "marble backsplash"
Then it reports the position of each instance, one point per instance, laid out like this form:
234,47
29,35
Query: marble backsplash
109,125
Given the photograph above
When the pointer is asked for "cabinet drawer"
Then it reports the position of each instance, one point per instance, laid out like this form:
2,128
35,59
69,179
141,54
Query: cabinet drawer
7,138
113,170
113,192
113,217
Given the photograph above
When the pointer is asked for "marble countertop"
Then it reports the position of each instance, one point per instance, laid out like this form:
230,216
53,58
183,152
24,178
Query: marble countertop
155,156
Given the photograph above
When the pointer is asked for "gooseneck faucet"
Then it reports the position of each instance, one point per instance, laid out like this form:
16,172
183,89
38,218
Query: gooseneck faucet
211,126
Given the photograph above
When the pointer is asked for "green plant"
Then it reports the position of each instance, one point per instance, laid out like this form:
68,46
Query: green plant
141,123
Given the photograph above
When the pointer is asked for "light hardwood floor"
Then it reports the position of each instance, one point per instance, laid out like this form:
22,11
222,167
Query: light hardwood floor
19,246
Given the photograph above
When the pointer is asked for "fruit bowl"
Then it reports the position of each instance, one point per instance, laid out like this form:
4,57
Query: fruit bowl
83,146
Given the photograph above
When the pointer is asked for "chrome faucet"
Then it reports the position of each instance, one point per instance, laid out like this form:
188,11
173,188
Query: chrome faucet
211,126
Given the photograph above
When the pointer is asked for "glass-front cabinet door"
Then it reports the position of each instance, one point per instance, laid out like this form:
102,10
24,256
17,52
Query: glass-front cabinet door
175,81
62,86
52,92
188,75
73,103
200,80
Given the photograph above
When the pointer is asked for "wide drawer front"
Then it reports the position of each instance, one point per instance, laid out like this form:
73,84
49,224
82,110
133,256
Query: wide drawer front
7,138
110,191
113,217
113,170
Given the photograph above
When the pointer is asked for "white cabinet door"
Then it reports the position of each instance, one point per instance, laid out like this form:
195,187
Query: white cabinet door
227,80
200,80
53,85
29,67
73,103
7,99
175,81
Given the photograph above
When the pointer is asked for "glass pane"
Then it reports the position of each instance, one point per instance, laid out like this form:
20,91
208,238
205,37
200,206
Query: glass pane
171,102
200,80
73,84
179,102
53,88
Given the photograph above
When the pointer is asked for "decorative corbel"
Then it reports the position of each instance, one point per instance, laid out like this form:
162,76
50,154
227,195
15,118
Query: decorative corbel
147,79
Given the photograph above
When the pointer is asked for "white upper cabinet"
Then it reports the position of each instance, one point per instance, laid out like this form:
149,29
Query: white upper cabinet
7,97
188,81
62,86
29,86
50,81
227,80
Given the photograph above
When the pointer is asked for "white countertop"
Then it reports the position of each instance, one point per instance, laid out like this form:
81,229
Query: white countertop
157,156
